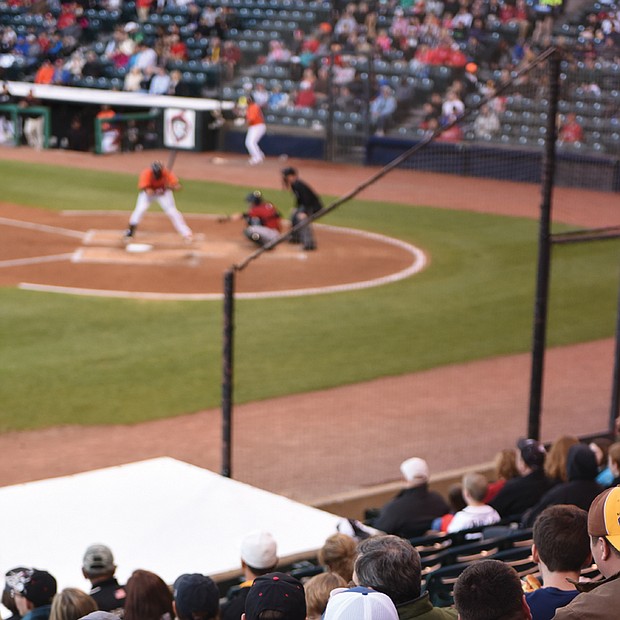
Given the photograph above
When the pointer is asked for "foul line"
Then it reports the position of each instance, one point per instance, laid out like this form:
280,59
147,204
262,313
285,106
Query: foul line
18,262
42,228
420,261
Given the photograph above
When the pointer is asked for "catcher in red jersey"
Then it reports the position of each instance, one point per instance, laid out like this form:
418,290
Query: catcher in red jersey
157,183
263,220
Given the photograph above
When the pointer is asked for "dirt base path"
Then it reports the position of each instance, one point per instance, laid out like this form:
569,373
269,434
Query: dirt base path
394,417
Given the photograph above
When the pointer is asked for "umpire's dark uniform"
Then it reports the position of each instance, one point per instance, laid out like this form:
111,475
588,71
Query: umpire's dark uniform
307,203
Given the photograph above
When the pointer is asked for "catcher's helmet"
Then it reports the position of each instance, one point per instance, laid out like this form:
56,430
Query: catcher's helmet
255,197
157,169
288,171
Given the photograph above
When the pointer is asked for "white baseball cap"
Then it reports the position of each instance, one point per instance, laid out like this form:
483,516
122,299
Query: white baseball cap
415,470
259,550
359,603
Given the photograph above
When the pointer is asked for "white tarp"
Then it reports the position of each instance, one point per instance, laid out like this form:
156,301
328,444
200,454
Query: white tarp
162,515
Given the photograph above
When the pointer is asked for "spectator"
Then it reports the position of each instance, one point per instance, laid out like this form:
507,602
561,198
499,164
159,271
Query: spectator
490,589
338,554
358,602
412,511
99,568
196,597
260,94
476,513
275,595
555,463
505,463
8,599
160,82
486,124
305,96
72,604
382,109
570,130
392,565
613,458
521,493
278,99
133,80
33,591
600,447
561,549
148,597
580,489
318,589
457,503
452,108
45,73
600,599
259,556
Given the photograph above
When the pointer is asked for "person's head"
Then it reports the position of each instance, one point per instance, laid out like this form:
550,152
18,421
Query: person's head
32,588
600,447
259,552
530,456
391,565
475,487
338,554
604,531
414,471
157,168
255,197
289,175
506,464
148,597
613,458
196,597
581,463
561,540
72,604
555,463
98,562
275,596
455,498
359,602
318,589
8,599
490,590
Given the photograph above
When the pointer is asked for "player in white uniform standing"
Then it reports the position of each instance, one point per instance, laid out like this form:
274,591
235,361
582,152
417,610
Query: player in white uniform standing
158,183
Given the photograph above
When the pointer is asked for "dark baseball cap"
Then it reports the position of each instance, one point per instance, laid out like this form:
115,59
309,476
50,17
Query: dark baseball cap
195,593
276,592
38,586
532,452
288,171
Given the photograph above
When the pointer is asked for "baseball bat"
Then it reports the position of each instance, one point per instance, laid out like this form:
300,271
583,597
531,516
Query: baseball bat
171,159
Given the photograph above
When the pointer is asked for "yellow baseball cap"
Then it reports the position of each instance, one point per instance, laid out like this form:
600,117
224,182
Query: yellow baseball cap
604,516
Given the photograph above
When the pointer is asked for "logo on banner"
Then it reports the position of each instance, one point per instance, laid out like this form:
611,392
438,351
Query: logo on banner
179,128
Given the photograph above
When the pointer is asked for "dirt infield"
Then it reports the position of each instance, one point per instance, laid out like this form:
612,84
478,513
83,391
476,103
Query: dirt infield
452,398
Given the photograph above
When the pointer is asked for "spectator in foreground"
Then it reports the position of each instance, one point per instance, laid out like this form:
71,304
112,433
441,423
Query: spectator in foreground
259,556
412,511
521,493
99,568
580,489
318,589
33,591
275,595
613,458
8,598
348,603
570,130
490,589
148,597
338,554
561,549
600,447
196,597
392,565
555,462
72,604
476,513
600,599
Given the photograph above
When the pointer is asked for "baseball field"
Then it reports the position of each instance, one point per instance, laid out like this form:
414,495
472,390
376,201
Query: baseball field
85,370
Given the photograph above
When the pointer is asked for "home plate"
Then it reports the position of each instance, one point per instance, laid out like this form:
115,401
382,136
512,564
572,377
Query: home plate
138,247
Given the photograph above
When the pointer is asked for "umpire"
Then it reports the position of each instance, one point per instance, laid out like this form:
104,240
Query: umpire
308,203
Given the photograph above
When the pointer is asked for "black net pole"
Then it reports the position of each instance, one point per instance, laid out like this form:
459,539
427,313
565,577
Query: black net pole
227,372
615,388
544,254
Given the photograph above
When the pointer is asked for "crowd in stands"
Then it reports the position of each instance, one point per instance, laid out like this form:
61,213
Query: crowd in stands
558,509
396,64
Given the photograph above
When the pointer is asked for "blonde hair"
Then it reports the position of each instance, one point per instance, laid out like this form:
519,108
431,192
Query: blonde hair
476,485
338,554
555,461
71,604
506,464
318,589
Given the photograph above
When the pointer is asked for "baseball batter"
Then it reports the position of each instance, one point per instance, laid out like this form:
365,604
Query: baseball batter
158,183
308,203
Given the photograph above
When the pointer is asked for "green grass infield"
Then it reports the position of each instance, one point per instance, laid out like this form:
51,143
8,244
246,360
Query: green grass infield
81,360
